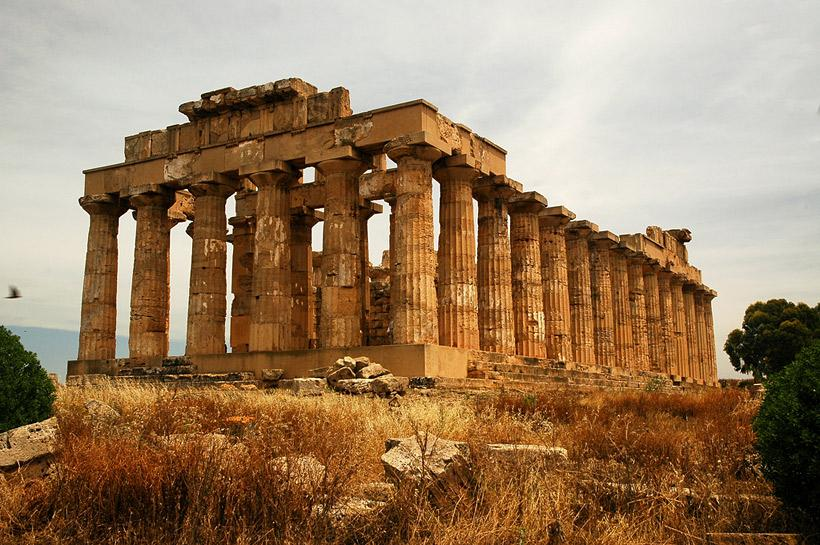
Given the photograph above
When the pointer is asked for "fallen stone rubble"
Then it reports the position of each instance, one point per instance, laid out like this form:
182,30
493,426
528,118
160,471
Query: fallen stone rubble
348,375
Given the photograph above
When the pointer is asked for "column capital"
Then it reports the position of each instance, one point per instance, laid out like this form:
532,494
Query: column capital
246,202
605,239
651,266
216,187
103,204
347,165
270,172
457,167
399,148
156,197
490,187
555,216
241,221
580,229
530,202
304,215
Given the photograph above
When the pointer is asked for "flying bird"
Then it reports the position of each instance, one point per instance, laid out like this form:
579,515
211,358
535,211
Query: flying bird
14,293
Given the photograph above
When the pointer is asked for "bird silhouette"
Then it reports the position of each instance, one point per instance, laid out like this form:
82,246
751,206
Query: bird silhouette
14,293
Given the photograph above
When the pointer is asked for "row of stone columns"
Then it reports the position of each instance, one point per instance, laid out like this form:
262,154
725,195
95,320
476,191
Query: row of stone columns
539,285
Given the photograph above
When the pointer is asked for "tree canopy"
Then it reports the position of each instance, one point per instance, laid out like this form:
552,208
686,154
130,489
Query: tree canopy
788,431
26,391
771,336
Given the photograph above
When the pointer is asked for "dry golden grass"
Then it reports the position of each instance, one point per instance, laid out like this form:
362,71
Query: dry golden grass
644,468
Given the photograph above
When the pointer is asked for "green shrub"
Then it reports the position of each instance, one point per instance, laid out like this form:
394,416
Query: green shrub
788,431
26,392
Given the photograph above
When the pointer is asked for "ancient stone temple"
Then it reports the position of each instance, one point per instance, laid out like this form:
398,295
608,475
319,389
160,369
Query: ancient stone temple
528,292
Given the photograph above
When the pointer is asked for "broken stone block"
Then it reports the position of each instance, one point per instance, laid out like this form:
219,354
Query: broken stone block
307,386
100,412
272,375
321,372
346,361
341,373
304,472
354,386
351,511
372,371
27,444
526,455
423,383
440,465
361,362
378,491
388,385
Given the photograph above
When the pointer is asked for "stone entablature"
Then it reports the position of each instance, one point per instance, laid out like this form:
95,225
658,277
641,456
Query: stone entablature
527,280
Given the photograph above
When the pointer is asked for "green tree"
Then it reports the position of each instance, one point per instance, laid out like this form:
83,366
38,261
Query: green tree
788,431
771,336
26,392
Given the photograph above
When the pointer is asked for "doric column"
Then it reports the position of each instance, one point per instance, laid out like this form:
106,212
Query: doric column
700,324
413,261
691,331
270,323
148,329
602,308
711,359
98,318
527,289
495,305
367,210
303,318
679,326
582,324
555,283
638,314
242,237
621,310
457,290
670,359
207,293
658,355
341,311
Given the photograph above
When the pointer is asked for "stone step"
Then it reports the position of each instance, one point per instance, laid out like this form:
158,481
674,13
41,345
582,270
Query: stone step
153,371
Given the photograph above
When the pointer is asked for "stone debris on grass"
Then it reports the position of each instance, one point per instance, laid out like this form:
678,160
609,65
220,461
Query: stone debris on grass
526,455
444,467
303,471
28,444
360,376
305,387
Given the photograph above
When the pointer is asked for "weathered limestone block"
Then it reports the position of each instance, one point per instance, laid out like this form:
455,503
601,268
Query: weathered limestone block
555,281
270,323
303,472
354,386
27,444
342,373
527,289
622,317
207,293
526,456
457,277
148,329
582,324
272,375
495,305
341,312
638,314
413,300
98,316
602,307
242,238
306,386
389,385
442,466
371,371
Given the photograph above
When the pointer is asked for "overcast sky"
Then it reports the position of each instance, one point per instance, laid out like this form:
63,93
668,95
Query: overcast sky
680,114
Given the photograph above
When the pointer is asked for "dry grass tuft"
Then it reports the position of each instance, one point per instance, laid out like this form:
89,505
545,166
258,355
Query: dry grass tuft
644,468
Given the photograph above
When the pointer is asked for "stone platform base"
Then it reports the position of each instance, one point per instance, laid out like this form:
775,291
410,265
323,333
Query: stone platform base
457,368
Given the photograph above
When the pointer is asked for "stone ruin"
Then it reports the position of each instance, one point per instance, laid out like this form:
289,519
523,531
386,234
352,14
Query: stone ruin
533,295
